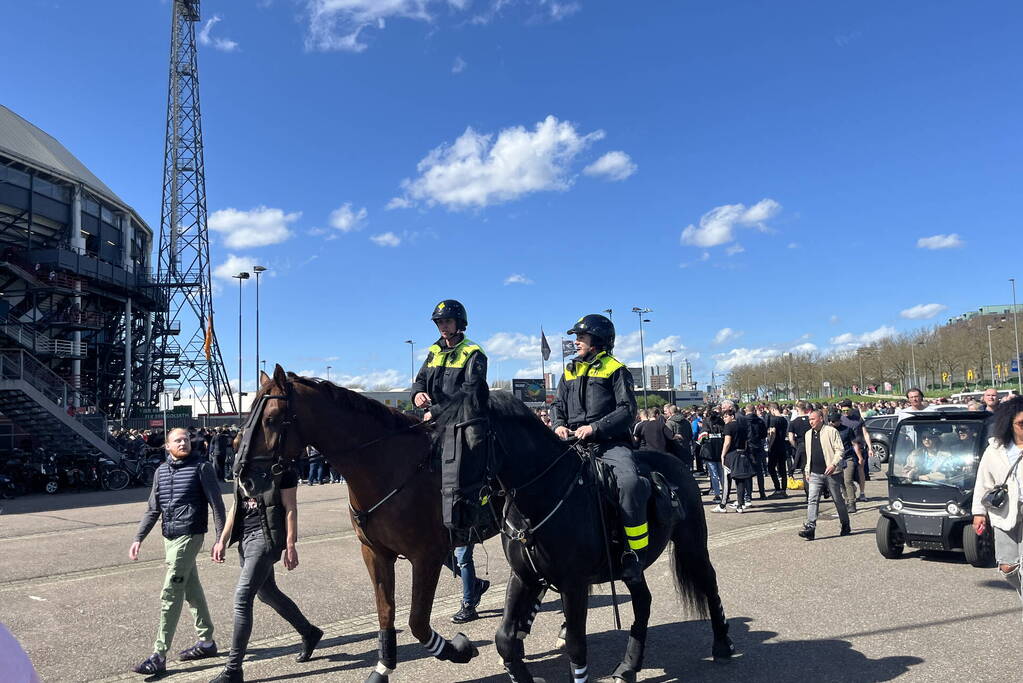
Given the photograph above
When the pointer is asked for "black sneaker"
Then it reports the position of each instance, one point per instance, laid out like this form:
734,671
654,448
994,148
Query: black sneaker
200,650
309,642
154,665
482,586
464,615
846,530
807,532
229,676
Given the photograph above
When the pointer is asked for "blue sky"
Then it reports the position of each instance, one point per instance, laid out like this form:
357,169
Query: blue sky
761,175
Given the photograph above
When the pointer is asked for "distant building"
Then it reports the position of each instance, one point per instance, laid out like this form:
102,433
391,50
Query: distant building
666,373
659,382
1005,309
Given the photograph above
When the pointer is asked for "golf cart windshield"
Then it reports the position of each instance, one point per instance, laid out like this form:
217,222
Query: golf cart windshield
937,453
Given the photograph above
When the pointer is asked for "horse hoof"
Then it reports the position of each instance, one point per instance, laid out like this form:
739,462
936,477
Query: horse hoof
464,649
723,650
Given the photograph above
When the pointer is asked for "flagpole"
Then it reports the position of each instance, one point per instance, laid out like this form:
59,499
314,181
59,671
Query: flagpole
562,355
543,371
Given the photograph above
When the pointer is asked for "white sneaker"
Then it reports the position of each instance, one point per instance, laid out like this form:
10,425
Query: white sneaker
718,508
733,505
740,510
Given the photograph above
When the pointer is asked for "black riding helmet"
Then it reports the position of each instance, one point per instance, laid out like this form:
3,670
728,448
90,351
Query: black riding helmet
449,308
596,326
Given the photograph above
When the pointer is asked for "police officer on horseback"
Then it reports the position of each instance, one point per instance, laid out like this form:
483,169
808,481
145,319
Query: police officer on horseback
596,402
455,366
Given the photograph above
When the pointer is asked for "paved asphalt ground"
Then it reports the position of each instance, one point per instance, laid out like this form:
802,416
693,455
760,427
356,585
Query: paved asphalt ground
830,610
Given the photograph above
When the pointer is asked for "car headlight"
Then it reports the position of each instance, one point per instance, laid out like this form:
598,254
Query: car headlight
897,505
953,509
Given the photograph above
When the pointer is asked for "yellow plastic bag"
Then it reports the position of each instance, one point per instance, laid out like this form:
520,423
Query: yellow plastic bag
794,484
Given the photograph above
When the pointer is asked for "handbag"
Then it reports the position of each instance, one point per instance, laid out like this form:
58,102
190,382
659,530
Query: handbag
995,498
740,465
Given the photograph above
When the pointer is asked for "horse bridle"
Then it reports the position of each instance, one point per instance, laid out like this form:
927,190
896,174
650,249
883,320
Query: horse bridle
248,431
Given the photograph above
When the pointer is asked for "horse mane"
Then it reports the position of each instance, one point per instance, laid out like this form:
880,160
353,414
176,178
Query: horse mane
510,418
356,402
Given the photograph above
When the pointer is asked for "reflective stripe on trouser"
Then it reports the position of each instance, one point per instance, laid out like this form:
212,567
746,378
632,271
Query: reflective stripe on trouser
633,490
181,584
638,536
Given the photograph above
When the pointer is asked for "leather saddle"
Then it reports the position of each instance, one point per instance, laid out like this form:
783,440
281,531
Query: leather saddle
665,505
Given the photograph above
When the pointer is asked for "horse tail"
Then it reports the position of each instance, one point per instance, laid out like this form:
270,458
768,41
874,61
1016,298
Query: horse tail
695,578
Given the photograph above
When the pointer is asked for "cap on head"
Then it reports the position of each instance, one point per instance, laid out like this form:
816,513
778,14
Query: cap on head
450,308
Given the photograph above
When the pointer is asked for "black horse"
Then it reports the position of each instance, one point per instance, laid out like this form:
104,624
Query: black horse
553,537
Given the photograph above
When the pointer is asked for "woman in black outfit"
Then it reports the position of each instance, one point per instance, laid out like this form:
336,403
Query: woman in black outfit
265,525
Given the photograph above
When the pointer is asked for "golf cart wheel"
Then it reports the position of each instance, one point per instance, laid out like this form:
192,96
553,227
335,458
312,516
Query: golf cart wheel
980,550
885,536
52,487
880,450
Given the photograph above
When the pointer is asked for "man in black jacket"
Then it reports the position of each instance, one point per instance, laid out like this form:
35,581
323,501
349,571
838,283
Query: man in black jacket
184,487
596,402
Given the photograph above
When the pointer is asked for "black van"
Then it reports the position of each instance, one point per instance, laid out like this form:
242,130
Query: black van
931,475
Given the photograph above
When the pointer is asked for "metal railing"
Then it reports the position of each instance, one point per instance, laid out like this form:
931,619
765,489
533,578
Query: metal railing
18,364
37,341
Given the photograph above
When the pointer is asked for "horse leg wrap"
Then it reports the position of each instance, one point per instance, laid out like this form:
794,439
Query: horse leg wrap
459,650
580,674
387,647
518,673
633,661
527,627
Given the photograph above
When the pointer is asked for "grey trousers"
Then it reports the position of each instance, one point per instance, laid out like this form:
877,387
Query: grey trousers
257,580
633,490
815,487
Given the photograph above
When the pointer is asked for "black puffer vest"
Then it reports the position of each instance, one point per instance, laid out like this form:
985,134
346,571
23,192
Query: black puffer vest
183,506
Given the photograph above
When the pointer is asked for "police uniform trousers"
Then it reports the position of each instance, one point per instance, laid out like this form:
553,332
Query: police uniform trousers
633,490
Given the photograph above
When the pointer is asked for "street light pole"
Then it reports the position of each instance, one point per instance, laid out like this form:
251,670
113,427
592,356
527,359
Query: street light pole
642,353
609,314
671,364
991,353
241,277
257,270
792,390
1015,332
912,355
328,372
413,345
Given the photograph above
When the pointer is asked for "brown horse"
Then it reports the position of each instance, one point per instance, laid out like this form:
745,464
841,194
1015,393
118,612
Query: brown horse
394,495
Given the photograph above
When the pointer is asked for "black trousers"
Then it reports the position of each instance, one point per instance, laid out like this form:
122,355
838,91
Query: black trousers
257,580
633,490
776,467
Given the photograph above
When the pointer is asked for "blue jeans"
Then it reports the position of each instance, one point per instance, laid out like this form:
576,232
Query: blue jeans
316,472
467,572
715,469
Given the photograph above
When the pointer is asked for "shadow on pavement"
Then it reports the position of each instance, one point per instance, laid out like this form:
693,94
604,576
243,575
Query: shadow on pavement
42,502
682,650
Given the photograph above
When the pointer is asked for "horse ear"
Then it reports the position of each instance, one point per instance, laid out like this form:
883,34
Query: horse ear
264,378
280,377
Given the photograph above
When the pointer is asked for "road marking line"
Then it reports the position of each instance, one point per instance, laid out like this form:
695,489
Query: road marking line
494,599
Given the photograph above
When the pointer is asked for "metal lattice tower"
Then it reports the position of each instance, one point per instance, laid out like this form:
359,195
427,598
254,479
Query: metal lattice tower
184,257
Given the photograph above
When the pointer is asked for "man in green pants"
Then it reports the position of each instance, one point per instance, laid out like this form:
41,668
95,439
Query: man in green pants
184,488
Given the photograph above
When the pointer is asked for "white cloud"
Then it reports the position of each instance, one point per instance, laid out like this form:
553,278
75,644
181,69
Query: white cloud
717,225
258,227
222,44
517,279
627,349
398,203
386,239
940,242
612,166
922,311
793,245
345,219
807,347
341,24
725,362
513,346
478,170
459,66
851,340
727,334
833,319
232,266
388,379
735,249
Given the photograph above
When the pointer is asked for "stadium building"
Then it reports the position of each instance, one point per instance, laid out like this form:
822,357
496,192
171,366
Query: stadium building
77,295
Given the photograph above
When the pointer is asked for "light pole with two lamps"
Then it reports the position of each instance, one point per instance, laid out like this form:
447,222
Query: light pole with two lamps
241,277
257,270
642,353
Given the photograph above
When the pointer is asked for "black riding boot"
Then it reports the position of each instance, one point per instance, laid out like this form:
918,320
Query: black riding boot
632,565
